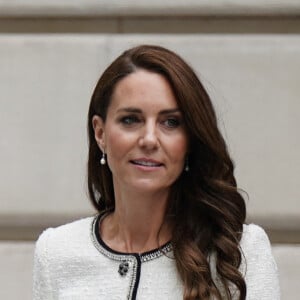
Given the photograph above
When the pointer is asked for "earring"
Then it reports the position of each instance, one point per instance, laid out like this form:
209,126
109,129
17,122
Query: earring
186,165
103,160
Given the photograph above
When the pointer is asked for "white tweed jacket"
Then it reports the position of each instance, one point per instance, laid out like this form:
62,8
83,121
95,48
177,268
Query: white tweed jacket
72,262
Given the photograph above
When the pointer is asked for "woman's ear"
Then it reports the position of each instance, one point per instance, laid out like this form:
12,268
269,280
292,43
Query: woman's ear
98,126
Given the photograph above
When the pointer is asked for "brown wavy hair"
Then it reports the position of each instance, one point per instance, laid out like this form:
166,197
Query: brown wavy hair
206,206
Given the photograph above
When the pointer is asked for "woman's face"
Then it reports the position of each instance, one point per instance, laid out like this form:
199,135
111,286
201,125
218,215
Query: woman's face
143,135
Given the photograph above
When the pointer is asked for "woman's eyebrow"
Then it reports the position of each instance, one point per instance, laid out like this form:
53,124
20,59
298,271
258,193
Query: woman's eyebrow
137,110
169,111
130,110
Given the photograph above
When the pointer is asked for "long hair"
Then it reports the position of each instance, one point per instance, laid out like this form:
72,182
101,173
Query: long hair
207,209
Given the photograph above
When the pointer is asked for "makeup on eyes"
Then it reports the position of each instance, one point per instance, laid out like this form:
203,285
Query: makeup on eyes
171,118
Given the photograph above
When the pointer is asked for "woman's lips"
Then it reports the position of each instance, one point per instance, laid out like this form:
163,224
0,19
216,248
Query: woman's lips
146,162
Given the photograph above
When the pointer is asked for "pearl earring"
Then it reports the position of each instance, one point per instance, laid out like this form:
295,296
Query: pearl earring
186,166
103,160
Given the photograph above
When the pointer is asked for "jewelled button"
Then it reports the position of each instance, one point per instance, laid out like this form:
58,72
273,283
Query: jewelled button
123,268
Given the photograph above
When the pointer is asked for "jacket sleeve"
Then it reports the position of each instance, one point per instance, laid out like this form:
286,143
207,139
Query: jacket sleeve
42,289
260,269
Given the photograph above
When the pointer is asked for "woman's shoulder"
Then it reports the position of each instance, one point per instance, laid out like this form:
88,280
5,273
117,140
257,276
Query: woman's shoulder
254,238
258,264
65,236
67,230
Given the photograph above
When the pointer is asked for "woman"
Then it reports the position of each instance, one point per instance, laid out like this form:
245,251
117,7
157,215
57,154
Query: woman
171,219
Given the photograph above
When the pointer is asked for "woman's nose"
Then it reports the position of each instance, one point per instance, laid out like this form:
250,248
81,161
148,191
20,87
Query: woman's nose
149,138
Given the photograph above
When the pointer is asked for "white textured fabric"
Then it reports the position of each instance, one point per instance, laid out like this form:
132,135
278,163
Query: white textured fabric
68,265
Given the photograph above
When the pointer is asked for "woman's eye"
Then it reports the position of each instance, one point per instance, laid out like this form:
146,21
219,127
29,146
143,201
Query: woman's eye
172,122
129,120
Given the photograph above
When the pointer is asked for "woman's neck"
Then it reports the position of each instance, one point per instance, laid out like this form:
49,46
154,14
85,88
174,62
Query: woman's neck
137,224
